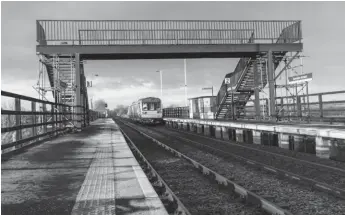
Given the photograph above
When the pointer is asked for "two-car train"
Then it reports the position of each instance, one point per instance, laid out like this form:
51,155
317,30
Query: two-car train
146,110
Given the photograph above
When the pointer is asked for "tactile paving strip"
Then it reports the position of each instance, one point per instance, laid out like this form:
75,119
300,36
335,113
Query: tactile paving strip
115,183
97,194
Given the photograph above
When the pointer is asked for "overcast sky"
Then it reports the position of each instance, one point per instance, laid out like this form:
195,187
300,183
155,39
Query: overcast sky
122,82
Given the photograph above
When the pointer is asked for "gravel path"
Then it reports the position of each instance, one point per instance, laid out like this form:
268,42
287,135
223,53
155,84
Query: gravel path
195,191
318,173
299,200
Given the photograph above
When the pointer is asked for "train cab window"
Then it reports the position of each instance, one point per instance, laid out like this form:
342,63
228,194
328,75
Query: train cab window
144,106
151,106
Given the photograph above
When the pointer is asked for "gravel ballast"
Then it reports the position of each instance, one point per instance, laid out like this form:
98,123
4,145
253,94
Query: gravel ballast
298,199
196,192
319,173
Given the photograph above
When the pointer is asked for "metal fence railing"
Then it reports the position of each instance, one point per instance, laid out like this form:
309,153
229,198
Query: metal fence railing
178,112
21,127
165,32
328,107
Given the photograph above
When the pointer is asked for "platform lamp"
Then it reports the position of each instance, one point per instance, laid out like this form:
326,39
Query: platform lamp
89,84
161,75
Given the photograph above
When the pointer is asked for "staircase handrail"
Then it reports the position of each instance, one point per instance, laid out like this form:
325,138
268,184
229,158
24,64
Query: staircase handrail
234,78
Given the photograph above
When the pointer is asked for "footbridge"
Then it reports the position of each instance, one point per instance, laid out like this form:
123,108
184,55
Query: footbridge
63,45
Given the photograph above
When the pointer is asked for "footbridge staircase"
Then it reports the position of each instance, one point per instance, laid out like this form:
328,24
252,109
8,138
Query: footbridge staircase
232,98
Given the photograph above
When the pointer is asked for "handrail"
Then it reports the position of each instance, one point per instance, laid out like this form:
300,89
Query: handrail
176,112
128,32
284,37
34,125
234,78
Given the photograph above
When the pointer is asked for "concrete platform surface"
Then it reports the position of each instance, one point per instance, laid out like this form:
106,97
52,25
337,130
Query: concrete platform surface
91,172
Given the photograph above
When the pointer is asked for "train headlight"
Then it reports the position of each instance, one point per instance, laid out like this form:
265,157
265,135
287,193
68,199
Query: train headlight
144,112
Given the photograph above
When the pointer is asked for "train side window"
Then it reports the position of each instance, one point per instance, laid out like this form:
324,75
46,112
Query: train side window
157,106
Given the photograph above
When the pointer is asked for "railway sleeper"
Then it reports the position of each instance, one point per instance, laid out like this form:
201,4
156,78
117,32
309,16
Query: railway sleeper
281,174
171,203
245,196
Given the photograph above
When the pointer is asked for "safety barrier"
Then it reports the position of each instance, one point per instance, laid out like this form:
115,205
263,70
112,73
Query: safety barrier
178,112
20,127
165,32
319,109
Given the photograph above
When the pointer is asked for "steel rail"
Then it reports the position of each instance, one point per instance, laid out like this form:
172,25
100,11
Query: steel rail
338,192
247,195
181,209
270,153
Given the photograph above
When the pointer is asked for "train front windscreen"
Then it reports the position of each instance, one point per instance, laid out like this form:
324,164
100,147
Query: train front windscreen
151,106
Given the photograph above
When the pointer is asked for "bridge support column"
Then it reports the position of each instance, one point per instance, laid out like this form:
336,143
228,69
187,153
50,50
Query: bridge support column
225,133
218,132
323,147
82,110
299,144
271,84
257,137
207,130
256,90
77,101
239,135
200,129
284,141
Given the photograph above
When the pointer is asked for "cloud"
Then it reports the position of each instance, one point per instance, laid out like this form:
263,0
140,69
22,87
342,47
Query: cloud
124,81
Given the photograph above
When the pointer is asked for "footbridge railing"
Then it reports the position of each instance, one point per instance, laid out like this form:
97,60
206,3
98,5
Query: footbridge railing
165,32
26,120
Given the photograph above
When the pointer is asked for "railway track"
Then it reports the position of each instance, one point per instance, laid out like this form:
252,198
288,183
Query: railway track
171,202
325,178
176,170
298,199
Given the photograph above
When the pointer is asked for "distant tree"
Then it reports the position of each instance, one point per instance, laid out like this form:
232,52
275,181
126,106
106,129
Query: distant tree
172,106
99,105
120,110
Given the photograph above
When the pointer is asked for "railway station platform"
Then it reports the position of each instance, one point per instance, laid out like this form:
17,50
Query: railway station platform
325,141
91,172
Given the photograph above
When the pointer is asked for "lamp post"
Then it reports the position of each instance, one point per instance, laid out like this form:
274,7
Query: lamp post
185,82
96,75
161,74
160,71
